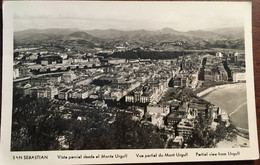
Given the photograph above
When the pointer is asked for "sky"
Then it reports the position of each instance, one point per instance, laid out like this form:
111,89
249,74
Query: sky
182,16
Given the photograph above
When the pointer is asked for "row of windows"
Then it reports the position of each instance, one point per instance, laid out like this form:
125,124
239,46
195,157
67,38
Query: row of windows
142,99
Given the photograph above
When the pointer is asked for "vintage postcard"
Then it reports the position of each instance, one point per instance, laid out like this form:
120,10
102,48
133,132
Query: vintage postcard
127,82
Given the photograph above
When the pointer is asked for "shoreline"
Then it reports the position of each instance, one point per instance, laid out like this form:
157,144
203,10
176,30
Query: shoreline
242,135
211,89
204,94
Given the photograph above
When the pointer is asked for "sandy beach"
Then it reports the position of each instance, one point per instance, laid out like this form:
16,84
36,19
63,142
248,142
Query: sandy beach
233,100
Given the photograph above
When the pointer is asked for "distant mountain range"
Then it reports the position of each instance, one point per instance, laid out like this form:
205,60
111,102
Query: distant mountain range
165,38
165,33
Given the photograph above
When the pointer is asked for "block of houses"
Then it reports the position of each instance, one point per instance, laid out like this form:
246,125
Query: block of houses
239,77
47,92
174,118
51,92
63,94
185,128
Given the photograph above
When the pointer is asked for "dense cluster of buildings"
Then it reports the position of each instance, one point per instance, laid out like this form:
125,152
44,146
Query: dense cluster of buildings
228,66
96,80
177,118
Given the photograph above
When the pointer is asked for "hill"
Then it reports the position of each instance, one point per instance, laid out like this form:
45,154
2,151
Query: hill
166,38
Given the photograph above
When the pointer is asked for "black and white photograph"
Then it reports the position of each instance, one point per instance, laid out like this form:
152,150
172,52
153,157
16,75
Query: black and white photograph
111,76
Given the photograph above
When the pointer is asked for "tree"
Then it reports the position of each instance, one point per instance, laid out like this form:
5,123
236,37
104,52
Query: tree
225,132
35,126
203,136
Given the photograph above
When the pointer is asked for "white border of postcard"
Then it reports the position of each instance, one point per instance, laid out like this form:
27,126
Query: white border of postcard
93,156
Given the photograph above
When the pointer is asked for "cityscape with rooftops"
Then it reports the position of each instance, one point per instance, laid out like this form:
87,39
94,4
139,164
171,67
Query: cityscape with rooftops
73,90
